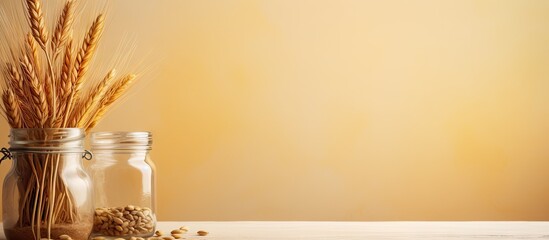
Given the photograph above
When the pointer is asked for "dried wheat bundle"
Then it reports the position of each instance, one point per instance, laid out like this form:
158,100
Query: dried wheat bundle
44,88
53,96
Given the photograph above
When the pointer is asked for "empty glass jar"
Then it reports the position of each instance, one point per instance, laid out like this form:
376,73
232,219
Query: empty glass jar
124,184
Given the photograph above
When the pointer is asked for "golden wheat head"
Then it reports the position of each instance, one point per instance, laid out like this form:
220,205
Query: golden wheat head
63,27
36,20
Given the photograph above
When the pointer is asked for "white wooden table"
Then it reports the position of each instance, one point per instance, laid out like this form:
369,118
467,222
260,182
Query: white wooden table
361,230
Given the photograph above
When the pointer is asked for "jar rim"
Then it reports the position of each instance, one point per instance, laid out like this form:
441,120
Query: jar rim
42,128
47,140
121,140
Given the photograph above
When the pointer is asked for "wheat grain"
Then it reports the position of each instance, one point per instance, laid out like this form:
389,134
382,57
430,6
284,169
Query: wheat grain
36,20
63,27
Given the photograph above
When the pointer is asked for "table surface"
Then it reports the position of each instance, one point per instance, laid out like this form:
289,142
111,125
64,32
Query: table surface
360,230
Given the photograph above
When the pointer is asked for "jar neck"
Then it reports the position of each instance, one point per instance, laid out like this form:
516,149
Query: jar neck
47,140
119,151
124,142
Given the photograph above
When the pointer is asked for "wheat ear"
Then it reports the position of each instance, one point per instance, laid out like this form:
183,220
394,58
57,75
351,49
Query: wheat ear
63,28
36,19
34,58
65,82
14,81
33,53
112,94
86,51
11,108
82,115
81,65
37,95
38,27
64,85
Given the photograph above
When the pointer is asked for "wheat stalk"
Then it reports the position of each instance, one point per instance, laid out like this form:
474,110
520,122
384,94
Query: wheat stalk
48,91
81,116
13,81
63,28
112,94
82,62
86,52
36,19
37,96
11,108
65,83
33,52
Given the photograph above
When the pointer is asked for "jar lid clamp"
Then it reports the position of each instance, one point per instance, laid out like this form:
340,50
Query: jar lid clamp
7,154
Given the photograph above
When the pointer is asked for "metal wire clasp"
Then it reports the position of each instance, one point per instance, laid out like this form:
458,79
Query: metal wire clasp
7,154
87,155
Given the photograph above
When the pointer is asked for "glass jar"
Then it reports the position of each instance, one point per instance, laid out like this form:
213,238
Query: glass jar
124,184
47,193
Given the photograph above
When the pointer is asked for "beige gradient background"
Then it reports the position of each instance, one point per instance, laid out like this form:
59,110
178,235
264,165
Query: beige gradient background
341,109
